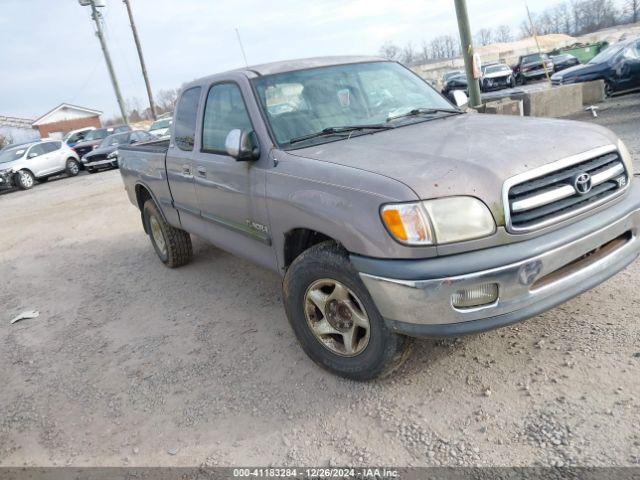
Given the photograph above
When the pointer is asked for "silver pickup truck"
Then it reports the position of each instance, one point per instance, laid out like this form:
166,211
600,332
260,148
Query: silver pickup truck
389,212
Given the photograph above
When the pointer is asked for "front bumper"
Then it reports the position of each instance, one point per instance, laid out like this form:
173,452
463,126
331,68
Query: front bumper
6,180
104,162
532,276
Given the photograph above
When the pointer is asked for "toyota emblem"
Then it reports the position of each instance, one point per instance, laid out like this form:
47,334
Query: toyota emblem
582,183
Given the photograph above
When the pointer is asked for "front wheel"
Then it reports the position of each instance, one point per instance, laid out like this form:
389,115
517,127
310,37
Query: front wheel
25,179
608,89
72,167
172,245
335,319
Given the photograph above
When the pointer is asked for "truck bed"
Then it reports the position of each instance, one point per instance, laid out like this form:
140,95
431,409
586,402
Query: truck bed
143,165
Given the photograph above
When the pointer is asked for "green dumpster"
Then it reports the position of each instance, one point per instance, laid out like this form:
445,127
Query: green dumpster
583,52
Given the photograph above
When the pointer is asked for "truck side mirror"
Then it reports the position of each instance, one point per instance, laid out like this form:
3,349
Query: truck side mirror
460,98
242,145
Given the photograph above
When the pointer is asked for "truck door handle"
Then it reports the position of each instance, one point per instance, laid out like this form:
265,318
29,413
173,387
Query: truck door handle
186,170
202,171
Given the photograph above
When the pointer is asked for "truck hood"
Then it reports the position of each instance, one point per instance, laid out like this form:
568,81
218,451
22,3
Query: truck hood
470,154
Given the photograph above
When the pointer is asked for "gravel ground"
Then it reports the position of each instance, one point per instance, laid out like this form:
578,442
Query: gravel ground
131,363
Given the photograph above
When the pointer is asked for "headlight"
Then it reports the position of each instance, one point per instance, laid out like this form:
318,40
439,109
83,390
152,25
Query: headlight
626,157
443,220
113,154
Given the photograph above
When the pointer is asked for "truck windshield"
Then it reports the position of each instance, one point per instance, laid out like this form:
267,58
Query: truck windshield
302,103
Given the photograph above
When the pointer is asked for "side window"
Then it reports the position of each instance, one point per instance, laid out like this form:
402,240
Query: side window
186,113
53,146
224,111
36,150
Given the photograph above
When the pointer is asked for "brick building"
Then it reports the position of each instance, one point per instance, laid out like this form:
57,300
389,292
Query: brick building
64,118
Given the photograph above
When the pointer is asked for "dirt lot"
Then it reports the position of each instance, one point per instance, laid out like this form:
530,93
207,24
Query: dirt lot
131,363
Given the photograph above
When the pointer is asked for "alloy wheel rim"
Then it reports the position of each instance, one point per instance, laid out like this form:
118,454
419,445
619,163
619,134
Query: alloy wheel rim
26,179
337,318
73,167
156,232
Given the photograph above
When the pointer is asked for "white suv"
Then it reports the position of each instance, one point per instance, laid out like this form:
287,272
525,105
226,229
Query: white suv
22,165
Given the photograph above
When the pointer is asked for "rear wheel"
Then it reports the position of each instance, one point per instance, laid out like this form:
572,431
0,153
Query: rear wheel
335,319
73,167
25,179
172,245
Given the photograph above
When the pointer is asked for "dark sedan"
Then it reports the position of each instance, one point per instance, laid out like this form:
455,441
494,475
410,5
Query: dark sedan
455,81
95,137
564,61
618,66
106,154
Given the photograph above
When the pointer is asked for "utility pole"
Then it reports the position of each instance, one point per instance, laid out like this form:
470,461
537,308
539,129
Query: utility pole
535,36
142,65
241,47
96,17
467,52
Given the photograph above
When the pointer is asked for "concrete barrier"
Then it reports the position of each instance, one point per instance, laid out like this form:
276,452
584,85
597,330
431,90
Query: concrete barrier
504,107
592,92
552,102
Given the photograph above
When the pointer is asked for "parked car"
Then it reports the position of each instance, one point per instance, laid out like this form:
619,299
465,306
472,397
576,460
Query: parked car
22,165
95,137
618,66
451,74
496,77
564,61
160,127
453,83
75,136
386,219
532,66
106,155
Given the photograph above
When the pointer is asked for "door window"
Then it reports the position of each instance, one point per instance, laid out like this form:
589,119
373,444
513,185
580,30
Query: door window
186,112
224,111
51,146
37,150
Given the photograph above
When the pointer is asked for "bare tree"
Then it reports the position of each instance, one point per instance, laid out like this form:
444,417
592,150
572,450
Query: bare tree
408,56
166,100
503,34
390,51
451,46
633,10
484,36
5,139
425,52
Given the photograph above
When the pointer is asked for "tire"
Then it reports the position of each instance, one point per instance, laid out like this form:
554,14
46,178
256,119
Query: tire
172,245
72,167
377,353
25,180
608,89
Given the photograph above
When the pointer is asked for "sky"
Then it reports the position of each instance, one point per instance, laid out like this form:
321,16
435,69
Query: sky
49,53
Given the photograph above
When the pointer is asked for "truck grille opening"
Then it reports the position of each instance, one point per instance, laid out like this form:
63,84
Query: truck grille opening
583,261
565,192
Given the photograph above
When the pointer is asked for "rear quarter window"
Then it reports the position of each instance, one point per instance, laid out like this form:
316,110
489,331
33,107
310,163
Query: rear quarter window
184,130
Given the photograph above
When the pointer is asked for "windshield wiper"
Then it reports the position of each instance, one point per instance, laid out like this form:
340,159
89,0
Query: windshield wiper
341,130
424,111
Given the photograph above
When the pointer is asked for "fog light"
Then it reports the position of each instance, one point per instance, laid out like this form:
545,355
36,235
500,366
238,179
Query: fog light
476,296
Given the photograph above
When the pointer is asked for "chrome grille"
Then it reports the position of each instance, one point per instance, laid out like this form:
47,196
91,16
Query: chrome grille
564,189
